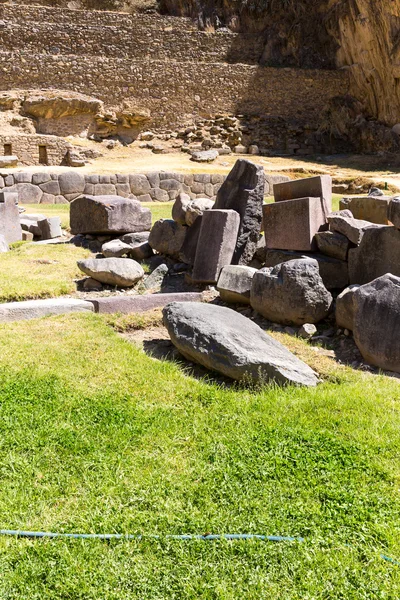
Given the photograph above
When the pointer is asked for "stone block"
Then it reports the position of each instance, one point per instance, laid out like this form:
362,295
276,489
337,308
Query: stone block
51,187
167,237
27,193
8,162
180,207
47,199
3,244
292,224
352,228
10,226
36,309
377,254
71,183
216,244
367,208
138,304
39,178
187,253
332,244
27,236
104,189
394,212
312,187
50,228
344,308
108,214
234,284
23,177
243,191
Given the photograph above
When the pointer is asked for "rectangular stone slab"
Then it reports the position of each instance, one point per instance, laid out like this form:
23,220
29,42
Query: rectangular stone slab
137,304
35,309
108,214
313,187
216,245
292,224
368,208
10,226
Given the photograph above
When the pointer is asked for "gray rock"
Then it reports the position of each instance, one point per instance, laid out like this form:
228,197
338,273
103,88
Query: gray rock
378,253
27,193
334,272
167,237
36,309
188,251
394,212
352,228
377,322
243,191
344,308
216,244
205,156
155,279
115,249
71,183
291,293
141,251
180,207
368,208
50,228
91,285
121,272
10,226
234,284
196,208
128,304
23,177
108,214
134,239
332,244
307,331
139,184
225,341
319,186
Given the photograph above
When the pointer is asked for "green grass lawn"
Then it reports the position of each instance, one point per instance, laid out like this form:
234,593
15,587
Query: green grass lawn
97,437
30,271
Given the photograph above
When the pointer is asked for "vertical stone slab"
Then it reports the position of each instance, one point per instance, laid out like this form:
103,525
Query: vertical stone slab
243,191
216,245
10,226
292,224
313,187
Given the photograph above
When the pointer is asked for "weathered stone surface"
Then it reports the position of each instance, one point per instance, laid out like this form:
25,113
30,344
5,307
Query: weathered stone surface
139,184
307,331
223,340
377,322
27,193
205,156
291,293
155,279
121,272
167,237
8,162
352,228
292,224
332,244
115,249
344,308
50,228
10,226
189,246
71,183
27,236
312,187
272,180
35,309
334,273
180,207
3,244
243,191
234,284
138,304
367,208
141,251
108,214
378,253
394,212
134,239
216,244
196,208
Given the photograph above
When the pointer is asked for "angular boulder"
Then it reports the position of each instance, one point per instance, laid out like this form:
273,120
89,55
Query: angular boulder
368,208
332,244
394,212
319,186
352,228
377,254
344,308
222,340
121,272
10,226
291,293
196,208
180,207
115,249
377,322
167,237
243,191
108,214
234,284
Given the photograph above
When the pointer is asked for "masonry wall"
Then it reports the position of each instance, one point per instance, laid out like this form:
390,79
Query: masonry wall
26,147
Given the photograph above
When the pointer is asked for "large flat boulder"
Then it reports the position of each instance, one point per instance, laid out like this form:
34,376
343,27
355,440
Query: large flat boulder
225,341
377,322
291,293
121,272
243,191
108,214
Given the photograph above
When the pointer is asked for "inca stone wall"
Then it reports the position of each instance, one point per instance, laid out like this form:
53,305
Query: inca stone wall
26,147
162,63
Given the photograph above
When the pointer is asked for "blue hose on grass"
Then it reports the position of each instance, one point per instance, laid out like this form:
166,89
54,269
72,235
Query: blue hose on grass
121,536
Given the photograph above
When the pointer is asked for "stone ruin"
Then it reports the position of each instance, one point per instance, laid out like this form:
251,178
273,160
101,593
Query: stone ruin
293,261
